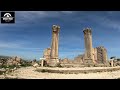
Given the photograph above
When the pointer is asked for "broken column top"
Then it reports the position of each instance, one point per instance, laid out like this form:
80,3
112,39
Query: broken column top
48,48
55,27
100,47
87,30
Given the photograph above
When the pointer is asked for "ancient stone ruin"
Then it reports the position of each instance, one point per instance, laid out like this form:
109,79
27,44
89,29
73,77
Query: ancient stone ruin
46,55
54,59
92,56
51,54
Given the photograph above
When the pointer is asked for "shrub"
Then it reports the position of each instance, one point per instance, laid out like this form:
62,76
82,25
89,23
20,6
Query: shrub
25,65
58,65
43,70
3,66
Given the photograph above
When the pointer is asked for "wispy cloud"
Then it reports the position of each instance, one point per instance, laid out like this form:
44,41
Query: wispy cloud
107,20
31,33
68,12
9,45
110,23
18,45
23,18
36,15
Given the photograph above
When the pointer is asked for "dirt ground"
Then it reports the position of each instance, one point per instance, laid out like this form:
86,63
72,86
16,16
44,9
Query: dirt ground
30,73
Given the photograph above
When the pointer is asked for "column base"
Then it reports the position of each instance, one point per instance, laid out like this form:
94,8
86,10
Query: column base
88,62
54,62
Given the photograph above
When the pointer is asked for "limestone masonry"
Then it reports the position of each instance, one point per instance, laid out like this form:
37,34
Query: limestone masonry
97,55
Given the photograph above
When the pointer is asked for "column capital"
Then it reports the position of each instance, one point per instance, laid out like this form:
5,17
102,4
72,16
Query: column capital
87,31
55,28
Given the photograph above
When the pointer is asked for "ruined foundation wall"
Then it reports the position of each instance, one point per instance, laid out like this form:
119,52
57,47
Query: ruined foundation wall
101,54
46,54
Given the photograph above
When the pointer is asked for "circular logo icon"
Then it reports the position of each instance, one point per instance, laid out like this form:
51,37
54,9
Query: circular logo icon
7,17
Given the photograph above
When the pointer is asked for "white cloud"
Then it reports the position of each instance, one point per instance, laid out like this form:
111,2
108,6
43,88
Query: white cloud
111,23
68,12
32,16
19,45
107,22
9,45
22,18
35,15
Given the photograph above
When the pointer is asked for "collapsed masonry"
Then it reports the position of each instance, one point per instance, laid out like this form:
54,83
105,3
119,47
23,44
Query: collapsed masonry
46,55
16,61
92,55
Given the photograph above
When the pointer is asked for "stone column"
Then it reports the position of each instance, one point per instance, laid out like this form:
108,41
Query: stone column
54,46
42,63
88,45
111,63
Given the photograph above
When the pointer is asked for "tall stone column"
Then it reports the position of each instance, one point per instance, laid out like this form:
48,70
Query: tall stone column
54,46
88,45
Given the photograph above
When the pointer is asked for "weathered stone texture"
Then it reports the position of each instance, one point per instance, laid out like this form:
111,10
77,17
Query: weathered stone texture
46,55
54,46
101,54
88,44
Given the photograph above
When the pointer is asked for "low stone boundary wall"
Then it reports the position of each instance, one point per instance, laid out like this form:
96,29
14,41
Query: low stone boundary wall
77,71
85,65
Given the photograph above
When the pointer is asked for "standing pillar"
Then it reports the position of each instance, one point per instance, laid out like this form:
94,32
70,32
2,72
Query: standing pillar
54,46
88,45
112,63
42,63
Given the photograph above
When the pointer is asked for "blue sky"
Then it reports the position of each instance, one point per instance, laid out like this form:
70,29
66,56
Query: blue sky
32,32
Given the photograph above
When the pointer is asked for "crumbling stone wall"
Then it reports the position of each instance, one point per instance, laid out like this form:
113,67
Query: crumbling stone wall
46,55
101,54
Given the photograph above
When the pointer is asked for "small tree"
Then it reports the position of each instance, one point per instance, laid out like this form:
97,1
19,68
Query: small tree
113,57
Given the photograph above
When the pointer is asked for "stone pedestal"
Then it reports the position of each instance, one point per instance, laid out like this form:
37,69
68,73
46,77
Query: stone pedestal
112,64
53,62
88,62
